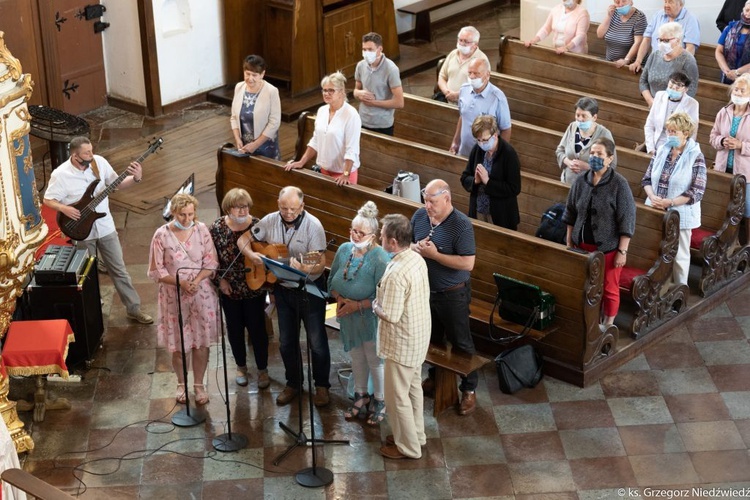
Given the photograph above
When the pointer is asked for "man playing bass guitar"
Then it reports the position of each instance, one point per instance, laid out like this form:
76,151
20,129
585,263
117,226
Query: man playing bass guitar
67,185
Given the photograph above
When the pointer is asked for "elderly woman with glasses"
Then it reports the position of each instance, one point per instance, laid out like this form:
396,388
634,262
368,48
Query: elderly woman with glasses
670,57
355,273
676,180
335,141
492,176
666,103
243,307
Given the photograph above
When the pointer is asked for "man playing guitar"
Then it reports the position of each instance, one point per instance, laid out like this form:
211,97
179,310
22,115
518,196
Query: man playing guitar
67,185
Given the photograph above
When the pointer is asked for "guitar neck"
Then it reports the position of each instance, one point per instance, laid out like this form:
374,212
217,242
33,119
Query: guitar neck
111,188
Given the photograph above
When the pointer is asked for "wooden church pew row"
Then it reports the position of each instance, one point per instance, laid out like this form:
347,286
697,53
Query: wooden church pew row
708,68
575,347
651,252
586,73
722,261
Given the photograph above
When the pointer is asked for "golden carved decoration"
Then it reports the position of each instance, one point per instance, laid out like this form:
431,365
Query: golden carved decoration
13,64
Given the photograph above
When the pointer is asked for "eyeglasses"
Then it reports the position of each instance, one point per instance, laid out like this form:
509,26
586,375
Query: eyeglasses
242,207
463,41
289,209
329,91
484,141
676,85
427,195
358,233
665,40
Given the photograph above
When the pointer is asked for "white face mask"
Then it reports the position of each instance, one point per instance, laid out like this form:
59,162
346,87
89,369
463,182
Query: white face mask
362,244
665,48
369,56
739,101
239,219
476,83
569,4
465,50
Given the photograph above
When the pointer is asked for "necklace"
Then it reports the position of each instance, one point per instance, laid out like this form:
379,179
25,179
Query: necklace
348,265
432,227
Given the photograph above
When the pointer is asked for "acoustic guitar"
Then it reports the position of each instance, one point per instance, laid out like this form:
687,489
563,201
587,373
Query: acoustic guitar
257,276
80,229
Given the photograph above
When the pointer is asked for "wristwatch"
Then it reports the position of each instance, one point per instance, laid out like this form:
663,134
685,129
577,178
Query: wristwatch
622,252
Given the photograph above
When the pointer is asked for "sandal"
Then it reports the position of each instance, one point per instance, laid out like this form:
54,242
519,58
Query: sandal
180,395
377,414
359,408
201,396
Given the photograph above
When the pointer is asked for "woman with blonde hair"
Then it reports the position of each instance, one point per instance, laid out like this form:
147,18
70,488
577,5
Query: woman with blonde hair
568,23
184,246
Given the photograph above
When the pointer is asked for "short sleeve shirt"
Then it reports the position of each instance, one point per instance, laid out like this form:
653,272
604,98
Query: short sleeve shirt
379,81
490,101
688,22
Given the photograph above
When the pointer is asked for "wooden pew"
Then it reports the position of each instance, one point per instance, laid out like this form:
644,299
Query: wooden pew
708,68
723,261
576,350
588,74
651,253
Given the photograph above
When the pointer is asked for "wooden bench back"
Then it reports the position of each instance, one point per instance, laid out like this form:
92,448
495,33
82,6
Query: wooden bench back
586,73
575,279
708,68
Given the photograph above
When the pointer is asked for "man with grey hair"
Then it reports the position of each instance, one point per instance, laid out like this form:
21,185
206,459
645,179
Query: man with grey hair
455,69
674,11
479,97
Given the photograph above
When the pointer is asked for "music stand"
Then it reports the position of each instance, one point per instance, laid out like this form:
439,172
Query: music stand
311,477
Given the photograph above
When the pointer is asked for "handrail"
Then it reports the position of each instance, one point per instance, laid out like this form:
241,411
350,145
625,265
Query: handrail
33,485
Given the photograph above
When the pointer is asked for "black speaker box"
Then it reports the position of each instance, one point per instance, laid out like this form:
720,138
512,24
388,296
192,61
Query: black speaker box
80,304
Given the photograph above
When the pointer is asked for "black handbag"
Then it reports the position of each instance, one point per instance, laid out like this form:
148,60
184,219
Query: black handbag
518,368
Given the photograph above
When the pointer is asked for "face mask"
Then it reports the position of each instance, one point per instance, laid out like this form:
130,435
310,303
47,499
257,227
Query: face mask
362,244
585,125
745,19
596,163
665,48
740,101
180,226
239,219
623,11
674,95
672,141
489,145
296,219
83,162
476,83
465,50
569,4
369,57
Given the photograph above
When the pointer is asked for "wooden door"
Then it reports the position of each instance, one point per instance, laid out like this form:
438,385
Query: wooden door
344,28
73,56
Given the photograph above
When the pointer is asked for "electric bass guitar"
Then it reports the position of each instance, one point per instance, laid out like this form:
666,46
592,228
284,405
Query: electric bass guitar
81,228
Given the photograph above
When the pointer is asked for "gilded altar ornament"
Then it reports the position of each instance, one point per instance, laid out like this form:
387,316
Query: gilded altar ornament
22,228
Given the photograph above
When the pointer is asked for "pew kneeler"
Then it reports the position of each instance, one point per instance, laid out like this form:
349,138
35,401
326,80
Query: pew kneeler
448,365
38,348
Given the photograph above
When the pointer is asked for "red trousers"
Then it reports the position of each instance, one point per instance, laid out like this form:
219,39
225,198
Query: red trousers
611,296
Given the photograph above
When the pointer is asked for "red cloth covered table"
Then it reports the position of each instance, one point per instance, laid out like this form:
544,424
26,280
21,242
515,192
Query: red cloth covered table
37,347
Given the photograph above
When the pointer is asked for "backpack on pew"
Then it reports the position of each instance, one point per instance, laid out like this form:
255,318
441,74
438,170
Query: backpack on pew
551,227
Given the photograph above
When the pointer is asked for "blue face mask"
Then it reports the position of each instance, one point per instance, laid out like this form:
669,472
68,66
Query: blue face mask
596,163
623,11
585,125
180,226
674,95
489,145
672,141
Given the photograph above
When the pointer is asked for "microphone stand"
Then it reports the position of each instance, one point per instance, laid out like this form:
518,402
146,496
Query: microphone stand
310,477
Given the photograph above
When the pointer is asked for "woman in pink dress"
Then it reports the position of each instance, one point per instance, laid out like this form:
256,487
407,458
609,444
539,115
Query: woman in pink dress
186,245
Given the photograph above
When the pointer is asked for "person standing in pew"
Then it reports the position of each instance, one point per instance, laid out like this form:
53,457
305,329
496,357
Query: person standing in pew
479,97
622,29
730,11
445,238
676,179
403,306
492,176
669,58
378,86
666,103
335,141
455,69
733,48
569,24
600,215
674,11
575,145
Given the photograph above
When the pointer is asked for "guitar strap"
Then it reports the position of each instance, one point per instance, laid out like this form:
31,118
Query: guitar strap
95,169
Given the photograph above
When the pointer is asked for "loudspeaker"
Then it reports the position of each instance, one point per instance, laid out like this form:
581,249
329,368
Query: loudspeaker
80,304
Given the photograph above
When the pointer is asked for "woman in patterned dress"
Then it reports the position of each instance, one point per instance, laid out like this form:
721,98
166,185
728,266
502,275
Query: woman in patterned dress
185,245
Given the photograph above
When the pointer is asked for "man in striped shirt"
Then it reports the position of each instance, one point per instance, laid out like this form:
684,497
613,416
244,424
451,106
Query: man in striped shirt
403,305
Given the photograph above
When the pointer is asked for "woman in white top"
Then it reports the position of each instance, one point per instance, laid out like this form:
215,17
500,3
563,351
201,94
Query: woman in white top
335,141
666,103
256,111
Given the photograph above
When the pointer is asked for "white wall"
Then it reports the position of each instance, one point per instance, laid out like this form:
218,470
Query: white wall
122,51
405,22
190,47
534,13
